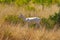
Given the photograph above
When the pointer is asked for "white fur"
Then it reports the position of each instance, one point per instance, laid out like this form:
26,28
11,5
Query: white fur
35,19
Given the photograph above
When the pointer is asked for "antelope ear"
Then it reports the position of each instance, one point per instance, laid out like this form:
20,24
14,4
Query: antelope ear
21,14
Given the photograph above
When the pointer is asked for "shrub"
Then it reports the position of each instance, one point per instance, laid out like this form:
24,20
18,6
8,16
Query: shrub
56,17
49,24
45,22
6,1
37,1
30,8
22,21
42,1
21,2
12,19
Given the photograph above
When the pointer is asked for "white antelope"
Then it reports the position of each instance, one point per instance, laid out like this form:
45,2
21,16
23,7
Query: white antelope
29,20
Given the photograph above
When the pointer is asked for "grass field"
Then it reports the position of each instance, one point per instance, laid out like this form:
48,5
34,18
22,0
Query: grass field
19,32
10,32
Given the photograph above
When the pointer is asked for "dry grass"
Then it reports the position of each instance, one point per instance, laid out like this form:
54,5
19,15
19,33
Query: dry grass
12,9
10,32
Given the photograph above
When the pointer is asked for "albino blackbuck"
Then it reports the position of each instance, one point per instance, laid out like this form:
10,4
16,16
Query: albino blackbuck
31,20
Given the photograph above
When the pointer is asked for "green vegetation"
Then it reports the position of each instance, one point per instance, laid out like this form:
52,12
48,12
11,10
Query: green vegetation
27,2
30,8
56,17
12,19
22,2
7,1
51,21
49,24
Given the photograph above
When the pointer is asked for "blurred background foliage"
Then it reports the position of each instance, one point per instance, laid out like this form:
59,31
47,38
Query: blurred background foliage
23,2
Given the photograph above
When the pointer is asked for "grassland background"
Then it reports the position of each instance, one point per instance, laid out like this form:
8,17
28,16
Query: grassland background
18,32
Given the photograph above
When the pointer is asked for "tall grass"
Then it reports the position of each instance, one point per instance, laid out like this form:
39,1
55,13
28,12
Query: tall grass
10,32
